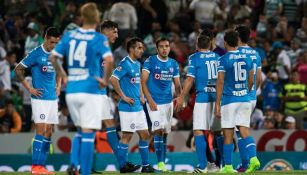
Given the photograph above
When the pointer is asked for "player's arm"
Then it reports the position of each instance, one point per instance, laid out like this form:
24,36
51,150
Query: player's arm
142,94
259,78
115,83
55,60
187,85
107,65
144,79
58,85
219,91
20,74
177,86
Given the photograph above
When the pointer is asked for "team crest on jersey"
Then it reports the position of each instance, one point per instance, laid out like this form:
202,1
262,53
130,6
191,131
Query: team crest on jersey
156,123
119,68
42,116
157,76
171,69
132,126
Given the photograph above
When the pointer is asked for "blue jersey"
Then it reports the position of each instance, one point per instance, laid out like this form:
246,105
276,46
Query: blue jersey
203,68
161,74
128,74
84,50
43,73
236,66
256,65
270,93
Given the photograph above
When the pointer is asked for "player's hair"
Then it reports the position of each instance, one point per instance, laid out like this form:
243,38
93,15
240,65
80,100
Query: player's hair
207,32
203,42
90,13
107,24
52,32
231,38
244,33
160,40
132,43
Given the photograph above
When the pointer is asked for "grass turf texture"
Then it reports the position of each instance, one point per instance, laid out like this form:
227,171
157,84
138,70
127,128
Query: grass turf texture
183,173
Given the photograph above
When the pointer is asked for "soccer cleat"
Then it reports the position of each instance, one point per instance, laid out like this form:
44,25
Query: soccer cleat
131,165
161,167
198,170
71,170
241,169
254,165
148,169
37,169
128,168
212,168
228,169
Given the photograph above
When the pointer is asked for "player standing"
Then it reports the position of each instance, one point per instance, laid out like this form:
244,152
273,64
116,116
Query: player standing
85,50
126,82
235,80
203,70
244,34
44,94
158,74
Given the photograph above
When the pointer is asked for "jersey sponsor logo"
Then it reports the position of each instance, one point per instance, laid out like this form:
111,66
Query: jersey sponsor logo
48,68
163,76
237,56
42,116
135,80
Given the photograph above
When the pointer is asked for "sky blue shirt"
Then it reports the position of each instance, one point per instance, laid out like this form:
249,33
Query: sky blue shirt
203,68
236,66
256,65
161,75
84,51
128,72
43,73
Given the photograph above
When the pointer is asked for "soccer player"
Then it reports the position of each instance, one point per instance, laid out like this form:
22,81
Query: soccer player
203,70
126,82
85,50
46,88
235,80
110,30
244,33
158,74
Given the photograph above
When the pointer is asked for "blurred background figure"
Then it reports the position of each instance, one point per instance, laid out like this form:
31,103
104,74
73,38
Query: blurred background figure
10,120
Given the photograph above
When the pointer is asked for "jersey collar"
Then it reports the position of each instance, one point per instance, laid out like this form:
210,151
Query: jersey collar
131,59
161,59
84,30
234,51
44,49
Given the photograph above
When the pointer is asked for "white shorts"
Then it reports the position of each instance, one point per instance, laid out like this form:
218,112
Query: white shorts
133,121
106,108
162,118
85,109
253,102
236,114
204,118
45,111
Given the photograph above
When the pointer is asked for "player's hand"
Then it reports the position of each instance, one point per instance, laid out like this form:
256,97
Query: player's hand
128,100
142,100
153,106
179,103
217,111
64,81
36,92
102,82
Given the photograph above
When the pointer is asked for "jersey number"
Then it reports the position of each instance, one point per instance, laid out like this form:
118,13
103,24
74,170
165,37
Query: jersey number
78,54
212,70
240,72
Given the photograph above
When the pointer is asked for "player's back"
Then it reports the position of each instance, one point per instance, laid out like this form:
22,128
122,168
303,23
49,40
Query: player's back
236,66
84,51
256,64
203,67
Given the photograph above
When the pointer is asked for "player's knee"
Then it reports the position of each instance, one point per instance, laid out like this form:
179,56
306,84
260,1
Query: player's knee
126,137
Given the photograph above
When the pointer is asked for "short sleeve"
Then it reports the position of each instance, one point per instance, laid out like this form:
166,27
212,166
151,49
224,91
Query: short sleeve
61,47
176,69
146,65
29,60
221,64
119,71
191,67
105,48
258,62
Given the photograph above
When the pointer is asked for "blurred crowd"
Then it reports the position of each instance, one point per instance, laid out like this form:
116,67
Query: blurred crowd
279,34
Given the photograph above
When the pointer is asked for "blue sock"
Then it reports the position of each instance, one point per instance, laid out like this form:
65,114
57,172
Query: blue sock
242,150
122,151
220,144
87,152
228,149
112,138
158,144
200,145
164,147
250,146
46,148
75,149
37,150
143,148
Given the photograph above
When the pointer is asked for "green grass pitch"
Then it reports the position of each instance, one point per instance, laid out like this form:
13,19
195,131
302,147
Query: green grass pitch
184,173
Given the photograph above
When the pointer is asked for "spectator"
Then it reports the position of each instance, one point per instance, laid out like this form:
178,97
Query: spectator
273,9
290,123
204,12
294,50
10,120
151,38
283,64
220,13
68,15
279,120
257,119
5,72
120,52
76,22
301,33
193,35
33,38
295,99
268,123
302,68
27,109
290,10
